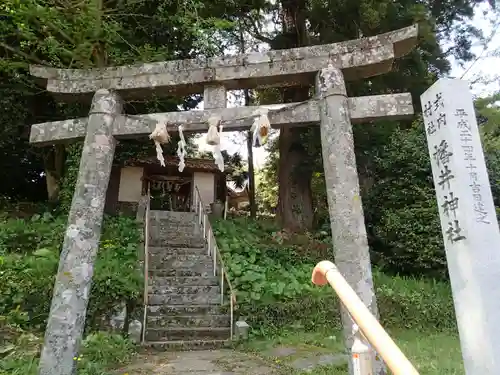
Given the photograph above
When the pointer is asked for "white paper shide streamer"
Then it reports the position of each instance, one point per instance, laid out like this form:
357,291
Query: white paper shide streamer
160,136
213,139
260,127
181,149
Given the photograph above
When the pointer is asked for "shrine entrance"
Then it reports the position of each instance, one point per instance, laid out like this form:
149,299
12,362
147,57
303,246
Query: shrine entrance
172,190
170,193
326,67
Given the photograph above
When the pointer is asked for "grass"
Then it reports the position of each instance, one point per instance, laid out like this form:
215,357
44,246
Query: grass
99,353
435,353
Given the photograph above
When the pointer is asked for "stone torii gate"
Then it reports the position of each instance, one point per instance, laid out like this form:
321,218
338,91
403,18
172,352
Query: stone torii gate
326,66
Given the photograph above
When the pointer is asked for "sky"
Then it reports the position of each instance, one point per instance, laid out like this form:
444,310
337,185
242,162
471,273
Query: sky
486,66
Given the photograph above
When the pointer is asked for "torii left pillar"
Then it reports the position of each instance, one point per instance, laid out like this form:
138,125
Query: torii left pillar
74,277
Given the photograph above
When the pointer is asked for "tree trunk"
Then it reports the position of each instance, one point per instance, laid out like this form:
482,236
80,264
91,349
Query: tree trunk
295,206
54,160
251,177
53,186
251,172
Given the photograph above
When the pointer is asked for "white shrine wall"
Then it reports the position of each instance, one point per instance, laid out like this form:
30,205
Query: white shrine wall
206,185
130,184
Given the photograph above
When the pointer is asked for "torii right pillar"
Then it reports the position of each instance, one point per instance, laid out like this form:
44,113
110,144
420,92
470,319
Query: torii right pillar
350,241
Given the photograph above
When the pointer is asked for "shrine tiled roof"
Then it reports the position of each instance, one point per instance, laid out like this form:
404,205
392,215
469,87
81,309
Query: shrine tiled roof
195,164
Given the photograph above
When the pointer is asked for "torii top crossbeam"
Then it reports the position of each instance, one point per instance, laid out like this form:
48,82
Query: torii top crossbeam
359,58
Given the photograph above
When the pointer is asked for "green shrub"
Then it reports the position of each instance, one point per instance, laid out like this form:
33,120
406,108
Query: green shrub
101,351
98,353
27,282
414,303
27,279
271,274
25,236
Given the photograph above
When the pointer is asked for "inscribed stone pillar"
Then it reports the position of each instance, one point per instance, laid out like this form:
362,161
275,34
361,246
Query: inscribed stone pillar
73,281
468,221
350,242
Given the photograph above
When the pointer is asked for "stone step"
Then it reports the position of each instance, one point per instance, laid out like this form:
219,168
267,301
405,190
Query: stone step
184,334
182,281
172,215
170,250
163,228
202,256
174,233
185,219
187,321
183,299
182,221
181,310
188,290
198,271
180,261
177,242
190,345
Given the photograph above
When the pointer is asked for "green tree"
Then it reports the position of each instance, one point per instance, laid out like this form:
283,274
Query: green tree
93,33
325,21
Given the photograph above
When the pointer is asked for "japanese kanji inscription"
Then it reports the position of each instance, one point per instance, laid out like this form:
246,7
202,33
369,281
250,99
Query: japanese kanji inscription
468,220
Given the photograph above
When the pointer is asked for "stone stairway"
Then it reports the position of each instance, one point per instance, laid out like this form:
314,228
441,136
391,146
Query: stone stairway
184,298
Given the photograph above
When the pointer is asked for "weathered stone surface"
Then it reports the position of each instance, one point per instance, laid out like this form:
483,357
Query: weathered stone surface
188,346
214,96
274,68
177,250
179,261
202,362
81,240
468,220
352,255
212,320
241,329
180,241
361,109
199,333
171,228
187,290
59,131
202,271
184,281
171,217
182,310
201,258
183,299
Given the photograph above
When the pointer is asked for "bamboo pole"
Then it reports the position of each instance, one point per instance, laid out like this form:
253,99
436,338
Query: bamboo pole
326,272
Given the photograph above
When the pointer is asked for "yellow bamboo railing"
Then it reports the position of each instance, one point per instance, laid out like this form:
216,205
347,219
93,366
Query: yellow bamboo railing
326,272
